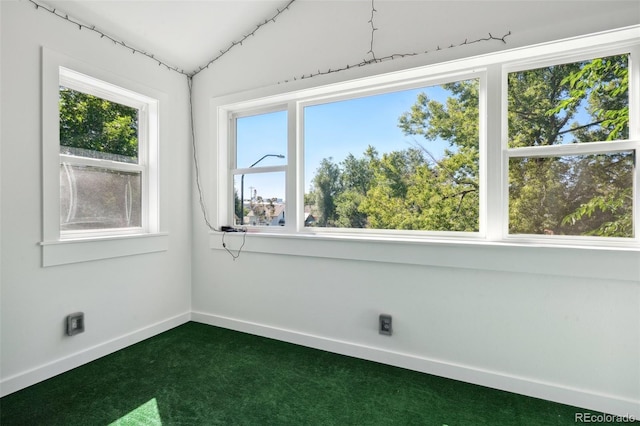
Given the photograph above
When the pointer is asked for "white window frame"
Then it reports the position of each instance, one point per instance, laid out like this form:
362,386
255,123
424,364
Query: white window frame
233,168
494,152
396,86
550,151
60,246
147,141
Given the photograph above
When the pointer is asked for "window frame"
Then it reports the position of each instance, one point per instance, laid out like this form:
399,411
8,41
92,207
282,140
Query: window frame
479,74
147,119
584,148
495,154
233,168
62,247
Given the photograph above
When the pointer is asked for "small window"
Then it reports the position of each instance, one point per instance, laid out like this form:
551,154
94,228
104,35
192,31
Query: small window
571,168
100,174
259,176
100,164
104,164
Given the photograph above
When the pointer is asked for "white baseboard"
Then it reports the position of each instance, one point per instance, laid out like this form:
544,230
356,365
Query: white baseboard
44,372
587,401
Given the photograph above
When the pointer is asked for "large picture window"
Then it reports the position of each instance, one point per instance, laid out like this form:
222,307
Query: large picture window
538,144
406,159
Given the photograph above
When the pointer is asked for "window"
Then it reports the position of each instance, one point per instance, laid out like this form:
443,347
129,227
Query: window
100,164
402,160
259,170
571,166
104,165
514,146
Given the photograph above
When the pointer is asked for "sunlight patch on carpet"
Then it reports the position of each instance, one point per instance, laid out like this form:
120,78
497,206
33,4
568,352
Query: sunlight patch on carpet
147,414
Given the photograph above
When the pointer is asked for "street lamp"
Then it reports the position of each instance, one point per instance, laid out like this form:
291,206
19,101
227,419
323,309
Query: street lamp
242,184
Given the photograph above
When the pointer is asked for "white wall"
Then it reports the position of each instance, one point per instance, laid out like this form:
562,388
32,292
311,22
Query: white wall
124,299
544,332
569,332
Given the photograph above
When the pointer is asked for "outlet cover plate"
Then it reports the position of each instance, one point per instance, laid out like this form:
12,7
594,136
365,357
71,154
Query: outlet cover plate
384,325
75,323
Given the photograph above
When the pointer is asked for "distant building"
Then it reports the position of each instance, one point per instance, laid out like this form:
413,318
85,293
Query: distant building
277,216
309,219
266,214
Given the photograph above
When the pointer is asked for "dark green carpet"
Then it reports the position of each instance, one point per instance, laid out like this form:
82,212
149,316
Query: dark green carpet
196,374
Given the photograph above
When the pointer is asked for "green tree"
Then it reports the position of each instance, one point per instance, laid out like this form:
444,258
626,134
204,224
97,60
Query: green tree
386,204
327,186
573,195
565,194
96,124
239,210
537,196
604,203
355,179
444,193
604,84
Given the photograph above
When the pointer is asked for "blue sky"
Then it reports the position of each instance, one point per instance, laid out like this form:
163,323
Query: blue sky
331,130
334,130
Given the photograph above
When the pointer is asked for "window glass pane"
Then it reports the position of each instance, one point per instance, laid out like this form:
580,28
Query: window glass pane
99,198
572,195
264,199
401,160
261,140
570,103
96,128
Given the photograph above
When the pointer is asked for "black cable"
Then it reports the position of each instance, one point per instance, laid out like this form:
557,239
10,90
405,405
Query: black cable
103,34
237,254
374,59
134,50
244,37
196,167
203,207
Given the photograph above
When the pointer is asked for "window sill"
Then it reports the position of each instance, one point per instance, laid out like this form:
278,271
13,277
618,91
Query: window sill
62,252
508,256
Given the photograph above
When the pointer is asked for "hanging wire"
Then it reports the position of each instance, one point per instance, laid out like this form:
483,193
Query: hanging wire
246,36
102,34
234,254
373,29
240,41
374,59
237,253
203,206
151,56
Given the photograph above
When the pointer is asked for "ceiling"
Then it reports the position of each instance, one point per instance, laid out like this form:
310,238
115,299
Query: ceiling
188,34
182,33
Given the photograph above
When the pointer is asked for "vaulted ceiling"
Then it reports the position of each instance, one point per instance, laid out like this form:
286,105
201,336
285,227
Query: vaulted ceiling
185,34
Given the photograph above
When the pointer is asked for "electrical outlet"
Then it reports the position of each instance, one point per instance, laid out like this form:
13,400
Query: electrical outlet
75,323
384,325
